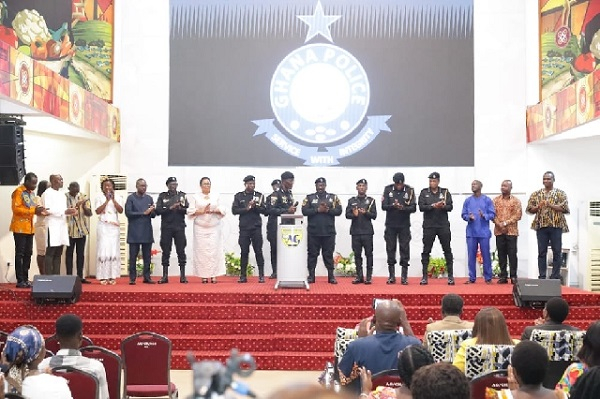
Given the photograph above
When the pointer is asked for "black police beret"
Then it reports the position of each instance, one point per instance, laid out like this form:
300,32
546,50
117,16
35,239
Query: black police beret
287,175
361,181
321,180
276,181
171,180
248,178
434,175
398,177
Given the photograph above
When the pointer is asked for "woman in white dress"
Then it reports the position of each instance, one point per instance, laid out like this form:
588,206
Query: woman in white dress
209,258
108,261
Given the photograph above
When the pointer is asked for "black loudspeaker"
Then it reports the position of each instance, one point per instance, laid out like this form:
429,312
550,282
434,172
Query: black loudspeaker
55,288
12,155
533,293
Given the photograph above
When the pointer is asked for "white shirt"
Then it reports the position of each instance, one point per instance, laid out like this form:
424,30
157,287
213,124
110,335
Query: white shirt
56,221
45,386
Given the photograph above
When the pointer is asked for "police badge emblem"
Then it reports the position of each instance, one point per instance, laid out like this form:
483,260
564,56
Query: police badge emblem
319,95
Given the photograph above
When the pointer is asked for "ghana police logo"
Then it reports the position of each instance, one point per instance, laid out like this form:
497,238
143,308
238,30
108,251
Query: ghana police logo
319,95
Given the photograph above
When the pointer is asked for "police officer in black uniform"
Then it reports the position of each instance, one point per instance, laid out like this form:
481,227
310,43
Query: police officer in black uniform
398,201
362,211
172,206
250,205
321,208
272,226
435,203
279,203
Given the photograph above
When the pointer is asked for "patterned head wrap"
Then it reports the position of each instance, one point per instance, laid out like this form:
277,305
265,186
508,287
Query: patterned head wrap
22,347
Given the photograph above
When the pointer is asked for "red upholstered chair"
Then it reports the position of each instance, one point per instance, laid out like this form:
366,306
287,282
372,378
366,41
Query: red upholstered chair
53,345
497,380
387,378
83,385
138,352
113,365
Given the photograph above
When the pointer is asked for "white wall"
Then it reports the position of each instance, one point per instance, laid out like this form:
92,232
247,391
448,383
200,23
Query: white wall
506,81
501,89
76,159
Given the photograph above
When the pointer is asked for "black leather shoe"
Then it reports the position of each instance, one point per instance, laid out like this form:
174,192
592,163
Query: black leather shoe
310,280
424,281
332,280
84,281
391,280
451,281
488,281
513,281
131,282
148,281
503,281
163,280
22,285
273,276
243,280
469,282
368,281
261,279
183,280
358,280
404,281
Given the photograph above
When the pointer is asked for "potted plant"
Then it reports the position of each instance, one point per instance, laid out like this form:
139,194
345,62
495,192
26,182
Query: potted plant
139,263
233,265
436,267
344,266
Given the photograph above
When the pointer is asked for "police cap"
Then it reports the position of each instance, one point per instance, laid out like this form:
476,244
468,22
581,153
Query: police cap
287,175
398,177
171,180
276,181
434,175
361,181
320,180
248,178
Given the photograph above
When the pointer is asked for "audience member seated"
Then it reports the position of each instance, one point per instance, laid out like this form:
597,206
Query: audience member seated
440,381
367,326
452,308
23,352
489,328
588,385
69,331
377,352
411,359
526,375
588,355
554,314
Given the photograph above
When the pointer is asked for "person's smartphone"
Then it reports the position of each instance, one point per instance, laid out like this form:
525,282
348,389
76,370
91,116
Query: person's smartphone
376,302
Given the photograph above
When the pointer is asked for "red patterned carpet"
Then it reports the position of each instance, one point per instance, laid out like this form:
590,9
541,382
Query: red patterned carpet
287,329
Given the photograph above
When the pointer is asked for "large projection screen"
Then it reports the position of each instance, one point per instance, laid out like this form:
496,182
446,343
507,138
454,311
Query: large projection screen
321,83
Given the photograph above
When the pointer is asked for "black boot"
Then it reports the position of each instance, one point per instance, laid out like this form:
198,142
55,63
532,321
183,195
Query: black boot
311,276
424,279
369,275
404,278
261,274
359,275
182,278
243,274
392,273
165,276
330,278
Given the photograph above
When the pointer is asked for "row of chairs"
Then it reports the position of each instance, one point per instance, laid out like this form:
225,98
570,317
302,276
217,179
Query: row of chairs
145,362
561,346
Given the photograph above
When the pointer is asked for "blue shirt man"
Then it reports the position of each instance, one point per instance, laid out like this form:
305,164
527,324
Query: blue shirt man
478,210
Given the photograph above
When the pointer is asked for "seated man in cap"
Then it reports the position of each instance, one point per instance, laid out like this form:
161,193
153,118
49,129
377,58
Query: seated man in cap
362,211
321,208
398,202
272,226
435,203
172,206
250,205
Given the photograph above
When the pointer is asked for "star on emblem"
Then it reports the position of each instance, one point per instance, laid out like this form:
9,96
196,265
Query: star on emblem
319,23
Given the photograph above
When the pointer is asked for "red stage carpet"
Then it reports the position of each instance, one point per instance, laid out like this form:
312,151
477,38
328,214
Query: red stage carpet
288,329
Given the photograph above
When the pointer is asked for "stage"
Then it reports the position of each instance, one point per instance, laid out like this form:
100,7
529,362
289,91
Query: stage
287,329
